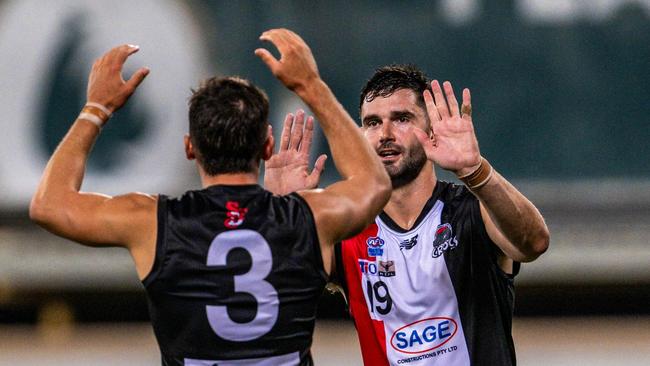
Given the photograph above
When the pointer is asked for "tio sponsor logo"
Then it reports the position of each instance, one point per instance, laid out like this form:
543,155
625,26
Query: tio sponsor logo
384,269
424,335
366,266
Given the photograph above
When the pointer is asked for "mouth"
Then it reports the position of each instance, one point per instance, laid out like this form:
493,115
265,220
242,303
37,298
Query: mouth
388,155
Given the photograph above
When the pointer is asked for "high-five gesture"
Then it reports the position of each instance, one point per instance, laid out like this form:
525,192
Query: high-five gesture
296,67
105,83
349,205
288,170
452,144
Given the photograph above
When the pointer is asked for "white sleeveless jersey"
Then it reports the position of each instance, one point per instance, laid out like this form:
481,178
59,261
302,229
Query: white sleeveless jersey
432,295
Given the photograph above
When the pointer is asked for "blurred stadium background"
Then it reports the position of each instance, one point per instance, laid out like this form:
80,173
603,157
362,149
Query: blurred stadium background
561,95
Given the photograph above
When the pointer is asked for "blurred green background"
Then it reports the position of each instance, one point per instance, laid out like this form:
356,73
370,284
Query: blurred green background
560,91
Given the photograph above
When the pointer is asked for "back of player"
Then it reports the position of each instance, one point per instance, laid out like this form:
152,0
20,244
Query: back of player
232,272
237,275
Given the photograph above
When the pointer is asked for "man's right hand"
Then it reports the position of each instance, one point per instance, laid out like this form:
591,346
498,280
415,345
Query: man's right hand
105,83
296,68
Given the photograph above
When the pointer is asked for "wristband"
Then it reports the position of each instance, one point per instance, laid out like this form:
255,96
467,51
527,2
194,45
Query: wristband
95,113
479,177
100,107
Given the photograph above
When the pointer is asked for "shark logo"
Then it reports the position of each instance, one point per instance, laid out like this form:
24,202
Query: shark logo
444,240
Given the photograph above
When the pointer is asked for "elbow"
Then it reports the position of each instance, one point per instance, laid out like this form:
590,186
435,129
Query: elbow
40,211
538,244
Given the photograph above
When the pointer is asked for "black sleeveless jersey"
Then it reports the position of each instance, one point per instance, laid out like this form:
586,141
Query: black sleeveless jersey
237,276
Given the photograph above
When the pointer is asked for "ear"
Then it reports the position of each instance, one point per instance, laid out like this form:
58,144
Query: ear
189,148
269,145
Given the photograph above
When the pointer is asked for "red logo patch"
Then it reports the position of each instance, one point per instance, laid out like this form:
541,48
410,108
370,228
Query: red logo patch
235,215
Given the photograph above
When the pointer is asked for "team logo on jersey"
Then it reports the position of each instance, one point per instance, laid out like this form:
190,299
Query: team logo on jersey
408,243
375,246
381,269
444,240
424,335
387,268
235,215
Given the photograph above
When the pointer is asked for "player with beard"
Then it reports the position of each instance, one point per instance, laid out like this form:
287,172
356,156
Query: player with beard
430,282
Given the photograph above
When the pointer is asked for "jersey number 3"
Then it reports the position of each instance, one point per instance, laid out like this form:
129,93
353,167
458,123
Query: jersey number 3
251,282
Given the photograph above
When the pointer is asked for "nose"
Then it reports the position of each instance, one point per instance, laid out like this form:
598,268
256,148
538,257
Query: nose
386,132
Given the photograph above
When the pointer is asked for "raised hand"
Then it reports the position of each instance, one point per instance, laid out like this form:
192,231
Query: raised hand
288,170
296,67
452,144
105,83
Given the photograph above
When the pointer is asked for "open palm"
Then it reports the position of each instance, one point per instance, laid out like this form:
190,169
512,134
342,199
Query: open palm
288,170
452,144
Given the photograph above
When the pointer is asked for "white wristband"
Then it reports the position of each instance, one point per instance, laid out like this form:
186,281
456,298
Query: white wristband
100,107
91,118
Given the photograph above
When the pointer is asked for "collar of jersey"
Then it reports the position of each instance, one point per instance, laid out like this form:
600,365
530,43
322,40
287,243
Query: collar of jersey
390,224
234,187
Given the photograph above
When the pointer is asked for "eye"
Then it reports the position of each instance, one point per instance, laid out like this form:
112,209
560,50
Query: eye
403,119
372,123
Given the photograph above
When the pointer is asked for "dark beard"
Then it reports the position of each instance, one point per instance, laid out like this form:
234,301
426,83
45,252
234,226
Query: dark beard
412,165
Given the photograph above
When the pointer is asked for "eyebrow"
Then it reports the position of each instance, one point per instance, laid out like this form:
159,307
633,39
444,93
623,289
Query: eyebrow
403,113
393,115
368,118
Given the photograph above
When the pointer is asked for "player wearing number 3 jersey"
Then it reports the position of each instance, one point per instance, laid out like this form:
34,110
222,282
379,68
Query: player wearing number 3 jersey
232,272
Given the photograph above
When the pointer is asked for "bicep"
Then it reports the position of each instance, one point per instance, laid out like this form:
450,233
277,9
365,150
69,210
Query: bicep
99,220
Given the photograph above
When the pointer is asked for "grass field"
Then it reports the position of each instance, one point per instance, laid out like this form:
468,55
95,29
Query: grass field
540,341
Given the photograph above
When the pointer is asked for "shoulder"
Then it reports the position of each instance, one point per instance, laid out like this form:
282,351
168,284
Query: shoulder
456,198
130,206
142,208
452,192
138,200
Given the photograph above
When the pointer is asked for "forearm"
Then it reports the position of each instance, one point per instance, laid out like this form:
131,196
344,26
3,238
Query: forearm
515,217
351,152
65,170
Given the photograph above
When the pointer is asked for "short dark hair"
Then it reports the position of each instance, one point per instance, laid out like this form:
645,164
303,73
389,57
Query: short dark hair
388,79
228,124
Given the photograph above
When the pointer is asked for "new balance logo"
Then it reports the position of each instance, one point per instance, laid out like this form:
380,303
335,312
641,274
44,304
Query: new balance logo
408,243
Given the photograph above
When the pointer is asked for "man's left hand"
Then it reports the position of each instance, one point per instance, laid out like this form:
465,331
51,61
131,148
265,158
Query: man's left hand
288,170
452,143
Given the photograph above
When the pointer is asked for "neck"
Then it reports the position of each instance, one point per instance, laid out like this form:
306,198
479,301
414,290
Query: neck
229,179
407,202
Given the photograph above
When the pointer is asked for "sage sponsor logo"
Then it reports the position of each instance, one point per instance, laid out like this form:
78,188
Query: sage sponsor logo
424,335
